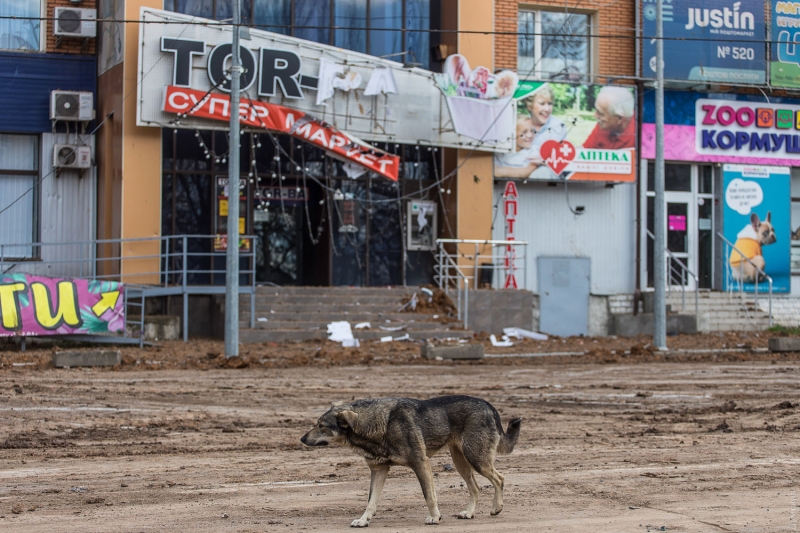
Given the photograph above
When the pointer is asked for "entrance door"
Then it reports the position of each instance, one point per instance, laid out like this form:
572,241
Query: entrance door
689,206
279,254
681,239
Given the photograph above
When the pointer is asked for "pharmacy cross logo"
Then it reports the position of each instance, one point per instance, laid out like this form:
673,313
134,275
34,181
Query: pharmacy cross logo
558,155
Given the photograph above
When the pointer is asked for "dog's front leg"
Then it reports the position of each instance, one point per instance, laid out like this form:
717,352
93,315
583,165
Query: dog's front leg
422,468
376,481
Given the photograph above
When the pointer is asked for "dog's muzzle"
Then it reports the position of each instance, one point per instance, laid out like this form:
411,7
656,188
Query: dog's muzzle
304,440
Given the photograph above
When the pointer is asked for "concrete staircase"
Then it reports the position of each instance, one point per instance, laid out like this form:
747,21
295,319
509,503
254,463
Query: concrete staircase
722,311
303,313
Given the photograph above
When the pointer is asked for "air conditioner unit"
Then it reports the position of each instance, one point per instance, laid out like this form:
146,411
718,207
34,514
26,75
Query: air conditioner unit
72,156
75,22
71,105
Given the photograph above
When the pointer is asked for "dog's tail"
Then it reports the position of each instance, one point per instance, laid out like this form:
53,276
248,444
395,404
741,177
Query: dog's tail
509,439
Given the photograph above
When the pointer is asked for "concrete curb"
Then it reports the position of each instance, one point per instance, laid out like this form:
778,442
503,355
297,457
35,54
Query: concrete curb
87,358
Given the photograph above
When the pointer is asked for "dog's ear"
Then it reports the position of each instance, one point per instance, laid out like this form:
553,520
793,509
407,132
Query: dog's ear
769,217
346,419
336,403
754,221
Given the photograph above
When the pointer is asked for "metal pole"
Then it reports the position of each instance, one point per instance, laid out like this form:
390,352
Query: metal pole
232,256
660,215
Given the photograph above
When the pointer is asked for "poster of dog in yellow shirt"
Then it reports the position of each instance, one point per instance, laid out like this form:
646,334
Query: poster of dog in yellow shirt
757,226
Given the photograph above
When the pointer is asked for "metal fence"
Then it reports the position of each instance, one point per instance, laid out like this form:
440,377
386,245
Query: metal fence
148,267
478,268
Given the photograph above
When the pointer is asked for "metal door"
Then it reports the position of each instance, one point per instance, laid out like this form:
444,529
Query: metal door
564,284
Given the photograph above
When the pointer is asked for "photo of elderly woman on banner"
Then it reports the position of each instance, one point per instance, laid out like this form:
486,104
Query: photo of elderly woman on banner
571,131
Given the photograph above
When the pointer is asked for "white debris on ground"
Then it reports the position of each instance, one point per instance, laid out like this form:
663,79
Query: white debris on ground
524,334
341,332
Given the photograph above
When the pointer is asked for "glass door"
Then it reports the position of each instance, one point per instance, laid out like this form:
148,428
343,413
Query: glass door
689,199
680,239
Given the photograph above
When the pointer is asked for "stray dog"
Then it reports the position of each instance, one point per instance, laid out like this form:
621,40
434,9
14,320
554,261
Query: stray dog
748,244
407,432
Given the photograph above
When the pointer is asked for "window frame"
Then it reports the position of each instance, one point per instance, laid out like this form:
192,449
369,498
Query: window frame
42,32
406,32
35,214
591,43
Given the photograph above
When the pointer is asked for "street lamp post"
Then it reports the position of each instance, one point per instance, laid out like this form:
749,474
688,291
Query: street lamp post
232,255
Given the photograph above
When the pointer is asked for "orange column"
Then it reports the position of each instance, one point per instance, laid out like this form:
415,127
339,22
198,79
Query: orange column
474,179
141,167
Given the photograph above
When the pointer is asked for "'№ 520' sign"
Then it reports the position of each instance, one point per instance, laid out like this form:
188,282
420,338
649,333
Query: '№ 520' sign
39,305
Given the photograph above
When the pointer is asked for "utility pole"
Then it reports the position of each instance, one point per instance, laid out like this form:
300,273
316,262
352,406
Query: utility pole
232,255
660,215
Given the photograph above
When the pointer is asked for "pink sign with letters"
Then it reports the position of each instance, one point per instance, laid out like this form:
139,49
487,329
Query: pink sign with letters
39,305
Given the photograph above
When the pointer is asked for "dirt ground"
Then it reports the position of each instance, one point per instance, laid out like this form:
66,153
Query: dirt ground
616,437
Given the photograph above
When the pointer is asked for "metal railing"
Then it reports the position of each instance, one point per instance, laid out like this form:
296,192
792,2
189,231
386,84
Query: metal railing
678,275
450,276
148,267
733,281
493,263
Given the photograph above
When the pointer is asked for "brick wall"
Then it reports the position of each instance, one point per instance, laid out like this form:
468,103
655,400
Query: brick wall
68,45
614,20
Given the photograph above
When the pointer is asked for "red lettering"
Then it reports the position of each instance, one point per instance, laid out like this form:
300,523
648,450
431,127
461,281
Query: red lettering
726,115
508,204
511,222
708,119
511,190
745,116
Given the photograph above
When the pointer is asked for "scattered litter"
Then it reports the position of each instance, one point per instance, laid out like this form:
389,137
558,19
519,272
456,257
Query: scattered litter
388,338
272,311
350,343
427,291
447,467
339,331
435,316
392,328
362,325
405,337
524,334
262,319
22,364
78,489
504,342
412,303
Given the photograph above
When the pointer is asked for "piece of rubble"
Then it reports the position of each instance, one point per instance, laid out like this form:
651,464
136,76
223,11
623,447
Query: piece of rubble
460,351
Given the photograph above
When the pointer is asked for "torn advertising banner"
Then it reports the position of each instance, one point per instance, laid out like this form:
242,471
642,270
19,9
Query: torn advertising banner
258,114
372,98
39,305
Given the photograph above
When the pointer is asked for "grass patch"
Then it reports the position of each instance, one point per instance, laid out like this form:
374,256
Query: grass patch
783,330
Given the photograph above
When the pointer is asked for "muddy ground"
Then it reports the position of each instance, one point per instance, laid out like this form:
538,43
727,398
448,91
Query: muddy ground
617,438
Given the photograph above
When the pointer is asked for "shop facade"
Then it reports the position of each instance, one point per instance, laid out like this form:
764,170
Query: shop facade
729,157
47,180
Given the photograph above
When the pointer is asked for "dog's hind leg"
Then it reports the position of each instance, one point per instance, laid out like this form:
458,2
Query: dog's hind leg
422,468
377,479
465,469
485,466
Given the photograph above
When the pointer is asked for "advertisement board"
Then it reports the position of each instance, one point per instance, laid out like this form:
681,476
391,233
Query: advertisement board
572,131
39,305
743,129
715,41
785,67
368,97
757,220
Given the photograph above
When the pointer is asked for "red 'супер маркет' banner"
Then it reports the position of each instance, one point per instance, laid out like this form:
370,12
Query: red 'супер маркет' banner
257,114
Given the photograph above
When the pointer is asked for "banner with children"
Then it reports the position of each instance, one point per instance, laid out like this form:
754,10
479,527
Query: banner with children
757,221
572,132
